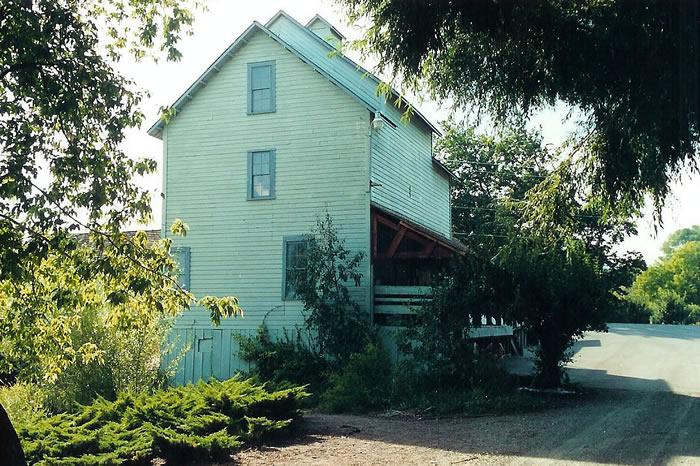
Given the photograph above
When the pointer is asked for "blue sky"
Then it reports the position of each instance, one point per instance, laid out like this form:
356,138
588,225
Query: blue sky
216,28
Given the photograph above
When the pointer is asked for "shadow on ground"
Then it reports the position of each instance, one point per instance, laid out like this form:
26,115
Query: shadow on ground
605,426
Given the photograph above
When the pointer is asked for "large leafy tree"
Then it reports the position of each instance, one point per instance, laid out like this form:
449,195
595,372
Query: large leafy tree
63,113
559,274
670,288
64,110
630,68
679,237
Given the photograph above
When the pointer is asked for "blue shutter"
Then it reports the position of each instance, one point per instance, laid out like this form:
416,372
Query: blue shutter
181,254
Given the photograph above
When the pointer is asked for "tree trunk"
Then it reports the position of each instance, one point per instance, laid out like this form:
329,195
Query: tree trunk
11,453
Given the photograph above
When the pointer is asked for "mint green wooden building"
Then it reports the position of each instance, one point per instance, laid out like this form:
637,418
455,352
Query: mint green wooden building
275,133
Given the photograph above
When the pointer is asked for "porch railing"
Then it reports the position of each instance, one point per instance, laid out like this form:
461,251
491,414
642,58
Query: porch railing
397,303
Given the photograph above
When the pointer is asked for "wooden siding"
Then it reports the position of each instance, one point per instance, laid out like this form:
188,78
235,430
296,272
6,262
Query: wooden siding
401,156
319,133
406,182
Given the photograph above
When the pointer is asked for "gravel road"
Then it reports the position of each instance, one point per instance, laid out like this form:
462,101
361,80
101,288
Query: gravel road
645,409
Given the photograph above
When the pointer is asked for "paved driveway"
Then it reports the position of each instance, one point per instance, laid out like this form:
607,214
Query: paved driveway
640,357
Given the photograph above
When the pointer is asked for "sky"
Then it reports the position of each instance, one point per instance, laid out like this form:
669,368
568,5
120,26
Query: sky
217,28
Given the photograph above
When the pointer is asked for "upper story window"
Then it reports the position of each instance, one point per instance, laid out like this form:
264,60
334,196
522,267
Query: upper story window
261,87
261,174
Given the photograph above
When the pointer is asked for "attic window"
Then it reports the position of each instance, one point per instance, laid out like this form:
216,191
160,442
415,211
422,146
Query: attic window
261,87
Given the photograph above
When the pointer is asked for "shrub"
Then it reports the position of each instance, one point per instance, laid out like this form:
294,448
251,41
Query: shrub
435,345
363,385
284,361
23,402
332,317
672,310
130,362
201,422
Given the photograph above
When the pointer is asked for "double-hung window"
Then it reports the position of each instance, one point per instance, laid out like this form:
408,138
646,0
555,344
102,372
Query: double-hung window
261,174
294,264
261,87
181,254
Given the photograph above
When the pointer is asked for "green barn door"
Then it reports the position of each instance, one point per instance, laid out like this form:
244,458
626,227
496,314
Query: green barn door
207,357
209,354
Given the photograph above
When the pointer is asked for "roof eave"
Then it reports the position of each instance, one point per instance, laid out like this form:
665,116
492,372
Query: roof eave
366,72
441,166
156,130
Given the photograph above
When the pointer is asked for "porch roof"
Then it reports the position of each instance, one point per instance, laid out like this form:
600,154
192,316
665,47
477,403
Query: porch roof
447,243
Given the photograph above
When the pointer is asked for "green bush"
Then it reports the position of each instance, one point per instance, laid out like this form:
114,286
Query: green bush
130,362
289,360
335,320
434,346
23,402
202,422
363,385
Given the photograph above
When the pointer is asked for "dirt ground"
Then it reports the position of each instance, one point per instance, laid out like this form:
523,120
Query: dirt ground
609,427
645,410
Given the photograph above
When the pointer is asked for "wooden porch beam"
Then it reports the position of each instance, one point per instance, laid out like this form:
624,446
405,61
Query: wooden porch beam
396,242
386,221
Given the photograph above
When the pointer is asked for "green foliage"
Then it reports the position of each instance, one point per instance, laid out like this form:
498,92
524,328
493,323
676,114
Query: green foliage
64,111
436,344
558,294
332,317
202,422
679,238
541,251
63,114
639,120
286,360
128,285
364,384
23,402
130,362
670,288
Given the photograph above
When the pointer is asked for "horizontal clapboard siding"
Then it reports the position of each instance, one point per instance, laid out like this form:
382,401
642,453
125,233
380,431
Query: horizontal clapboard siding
319,133
410,185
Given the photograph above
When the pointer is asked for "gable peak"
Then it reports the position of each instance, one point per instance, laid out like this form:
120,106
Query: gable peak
325,30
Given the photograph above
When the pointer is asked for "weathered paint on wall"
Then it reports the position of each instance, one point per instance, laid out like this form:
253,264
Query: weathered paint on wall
406,182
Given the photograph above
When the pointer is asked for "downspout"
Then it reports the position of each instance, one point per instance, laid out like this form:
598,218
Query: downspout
370,274
164,183
370,266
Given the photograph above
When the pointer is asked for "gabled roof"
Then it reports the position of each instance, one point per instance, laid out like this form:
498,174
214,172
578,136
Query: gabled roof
312,50
320,18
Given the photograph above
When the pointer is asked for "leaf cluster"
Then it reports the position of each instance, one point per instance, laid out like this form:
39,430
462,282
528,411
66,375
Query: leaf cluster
670,288
127,281
540,247
63,113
